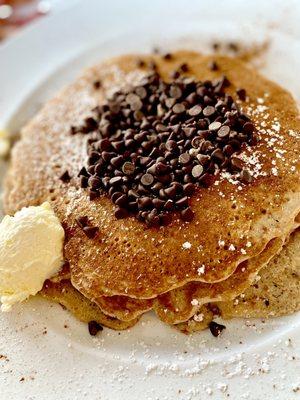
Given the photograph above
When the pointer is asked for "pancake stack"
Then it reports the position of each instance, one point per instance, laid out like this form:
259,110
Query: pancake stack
176,178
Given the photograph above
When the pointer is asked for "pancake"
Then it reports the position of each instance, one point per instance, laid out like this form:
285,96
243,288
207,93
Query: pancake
275,293
180,304
233,222
123,307
65,294
120,307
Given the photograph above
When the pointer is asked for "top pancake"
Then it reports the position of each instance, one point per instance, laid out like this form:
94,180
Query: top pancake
233,222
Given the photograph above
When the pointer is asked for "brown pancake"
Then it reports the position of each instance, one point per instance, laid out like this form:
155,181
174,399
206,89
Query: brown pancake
176,306
123,307
276,293
181,304
127,258
83,309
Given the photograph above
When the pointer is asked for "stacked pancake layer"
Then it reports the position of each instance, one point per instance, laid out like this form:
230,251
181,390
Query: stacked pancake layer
129,268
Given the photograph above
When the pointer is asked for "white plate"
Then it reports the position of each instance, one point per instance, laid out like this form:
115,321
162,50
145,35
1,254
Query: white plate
44,352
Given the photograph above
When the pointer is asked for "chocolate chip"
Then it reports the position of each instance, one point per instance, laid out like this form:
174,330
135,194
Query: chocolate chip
208,111
246,176
189,189
140,63
171,145
152,65
167,56
134,101
216,46
97,84
121,213
197,171
90,124
93,194
228,150
115,181
165,219
169,205
187,214
203,159
91,231
122,201
104,145
184,158
192,98
233,47
194,111
183,202
213,66
221,84
178,108
216,329
115,196
107,156
94,328
145,161
94,182
128,168
189,132
161,168
248,127
224,131
170,192
184,67
218,155
147,179
207,180
214,309
152,218
117,161
237,163
82,221
214,126
196,141
175,92
83,182
175,74
83,172
141,92
158,203
170,102
241,94
65,177
144,202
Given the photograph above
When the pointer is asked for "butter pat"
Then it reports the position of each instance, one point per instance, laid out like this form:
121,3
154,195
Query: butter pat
31,251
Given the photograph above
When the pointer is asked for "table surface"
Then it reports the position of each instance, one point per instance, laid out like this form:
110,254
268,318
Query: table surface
15,14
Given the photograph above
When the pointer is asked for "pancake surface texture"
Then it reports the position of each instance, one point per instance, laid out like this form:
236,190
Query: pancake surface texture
128,268
275,293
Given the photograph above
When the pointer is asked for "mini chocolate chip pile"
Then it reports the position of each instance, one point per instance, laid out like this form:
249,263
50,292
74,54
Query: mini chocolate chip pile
151,147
